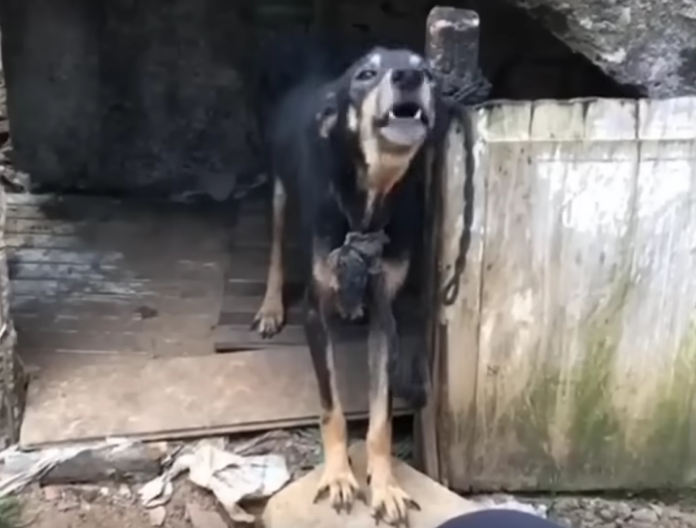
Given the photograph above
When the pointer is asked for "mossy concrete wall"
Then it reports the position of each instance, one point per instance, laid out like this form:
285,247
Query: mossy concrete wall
580,321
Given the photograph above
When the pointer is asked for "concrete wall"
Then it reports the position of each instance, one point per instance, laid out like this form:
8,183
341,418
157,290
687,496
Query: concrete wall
117,95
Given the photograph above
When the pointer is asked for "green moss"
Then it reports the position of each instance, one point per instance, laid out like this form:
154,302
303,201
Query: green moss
595,427
667,454
660,451
533,417
10,513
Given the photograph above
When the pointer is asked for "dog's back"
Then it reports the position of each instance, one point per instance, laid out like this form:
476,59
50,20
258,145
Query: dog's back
293,82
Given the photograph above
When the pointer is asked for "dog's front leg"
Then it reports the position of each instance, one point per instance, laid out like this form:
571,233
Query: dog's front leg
338,480
388,501
269,319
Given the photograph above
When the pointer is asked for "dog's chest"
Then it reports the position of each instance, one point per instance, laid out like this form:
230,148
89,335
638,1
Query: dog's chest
377,184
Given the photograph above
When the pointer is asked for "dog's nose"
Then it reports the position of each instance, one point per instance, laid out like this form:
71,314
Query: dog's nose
407,80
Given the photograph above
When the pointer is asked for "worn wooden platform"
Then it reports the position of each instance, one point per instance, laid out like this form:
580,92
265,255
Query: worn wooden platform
98,278
121,307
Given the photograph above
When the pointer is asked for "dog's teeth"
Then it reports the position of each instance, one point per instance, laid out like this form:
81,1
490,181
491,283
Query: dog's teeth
392,115
419,114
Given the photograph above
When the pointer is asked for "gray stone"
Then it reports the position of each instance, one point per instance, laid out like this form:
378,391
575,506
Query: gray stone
607,514
138,462
645,515
622,510
647,43
157,515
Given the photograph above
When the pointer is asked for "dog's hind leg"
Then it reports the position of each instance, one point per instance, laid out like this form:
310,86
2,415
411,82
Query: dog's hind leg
388,501
270,317
338,480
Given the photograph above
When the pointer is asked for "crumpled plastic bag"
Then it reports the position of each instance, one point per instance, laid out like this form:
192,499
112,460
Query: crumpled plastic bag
231,477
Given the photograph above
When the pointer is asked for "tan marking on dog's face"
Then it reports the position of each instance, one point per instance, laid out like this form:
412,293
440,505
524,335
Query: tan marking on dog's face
388,141
352,119
375,60
385,166
327,124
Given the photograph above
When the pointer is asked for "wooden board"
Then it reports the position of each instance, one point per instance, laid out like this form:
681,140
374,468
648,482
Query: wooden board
185,396
585,341
98,277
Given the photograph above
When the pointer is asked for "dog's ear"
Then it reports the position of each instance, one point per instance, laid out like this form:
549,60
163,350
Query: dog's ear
327,117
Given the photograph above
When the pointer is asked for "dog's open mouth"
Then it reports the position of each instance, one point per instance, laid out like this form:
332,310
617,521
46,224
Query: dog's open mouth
407,111
406,124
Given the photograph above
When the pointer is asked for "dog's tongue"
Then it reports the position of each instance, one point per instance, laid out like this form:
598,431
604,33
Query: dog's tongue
404,131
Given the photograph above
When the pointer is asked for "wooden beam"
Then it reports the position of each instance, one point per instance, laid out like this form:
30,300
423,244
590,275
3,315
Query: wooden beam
452,38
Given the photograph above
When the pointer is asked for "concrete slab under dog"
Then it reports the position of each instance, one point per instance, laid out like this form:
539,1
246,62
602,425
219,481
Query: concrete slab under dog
293,506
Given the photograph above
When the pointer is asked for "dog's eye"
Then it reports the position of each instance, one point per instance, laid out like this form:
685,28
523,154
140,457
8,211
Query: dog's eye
366,75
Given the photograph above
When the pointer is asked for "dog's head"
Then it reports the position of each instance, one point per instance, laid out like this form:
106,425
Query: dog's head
387,97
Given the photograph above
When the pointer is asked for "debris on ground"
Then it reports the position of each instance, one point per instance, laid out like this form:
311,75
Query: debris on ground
119,505
230,476
201,518
112,459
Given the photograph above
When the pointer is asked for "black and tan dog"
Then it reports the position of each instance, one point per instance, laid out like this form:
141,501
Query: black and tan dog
344,150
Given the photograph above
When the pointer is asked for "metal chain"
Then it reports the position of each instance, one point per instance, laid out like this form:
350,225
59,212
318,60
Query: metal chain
461,94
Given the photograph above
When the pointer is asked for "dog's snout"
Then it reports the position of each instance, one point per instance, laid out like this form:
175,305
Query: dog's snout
408,79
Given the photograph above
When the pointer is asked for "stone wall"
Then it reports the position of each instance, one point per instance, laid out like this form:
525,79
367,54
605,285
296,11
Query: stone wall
120,95
650,44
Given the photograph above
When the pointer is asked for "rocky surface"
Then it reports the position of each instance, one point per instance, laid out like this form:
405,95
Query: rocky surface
601,512
646,43
117,506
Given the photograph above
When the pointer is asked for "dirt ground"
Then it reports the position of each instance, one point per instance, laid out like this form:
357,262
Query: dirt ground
106,507
118,507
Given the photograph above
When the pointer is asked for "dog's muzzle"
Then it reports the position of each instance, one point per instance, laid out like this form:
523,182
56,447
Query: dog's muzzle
406,115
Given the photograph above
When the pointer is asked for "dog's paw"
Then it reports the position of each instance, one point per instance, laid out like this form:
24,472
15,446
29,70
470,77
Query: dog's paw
269,319
389,503
340,486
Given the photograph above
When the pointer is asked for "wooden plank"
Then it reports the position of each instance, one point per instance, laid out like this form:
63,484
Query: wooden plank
457,335
587,366
186,397
234,331
452,46
95,276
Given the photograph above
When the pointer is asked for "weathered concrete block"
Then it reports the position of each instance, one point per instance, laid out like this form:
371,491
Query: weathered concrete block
293,506
647,43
